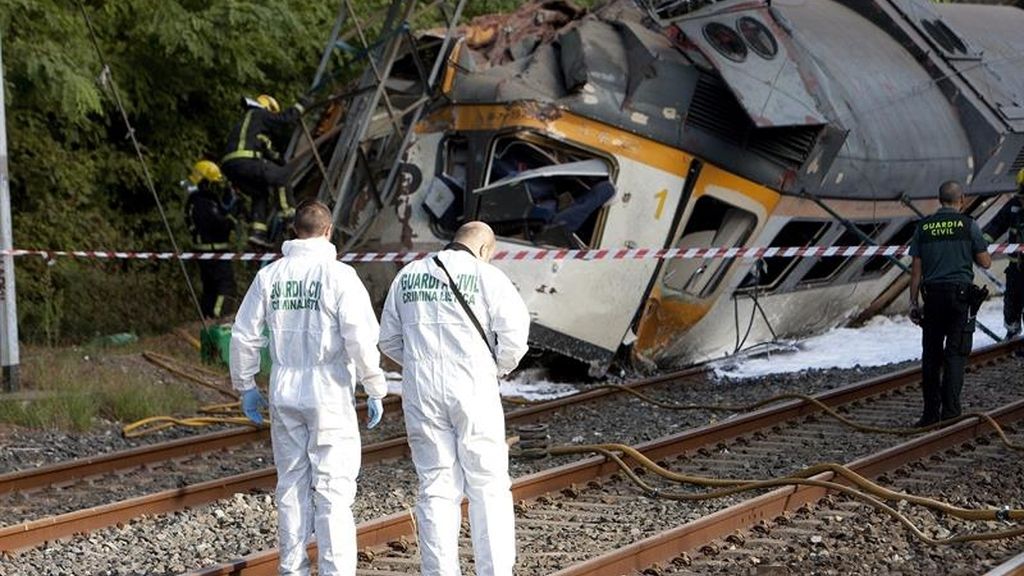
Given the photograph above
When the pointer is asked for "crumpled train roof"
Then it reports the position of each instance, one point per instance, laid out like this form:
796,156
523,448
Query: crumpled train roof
604,65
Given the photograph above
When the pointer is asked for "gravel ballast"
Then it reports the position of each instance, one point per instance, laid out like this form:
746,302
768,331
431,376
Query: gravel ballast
246,523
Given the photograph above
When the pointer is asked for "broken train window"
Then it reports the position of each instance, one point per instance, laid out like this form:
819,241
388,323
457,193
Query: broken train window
545,192
713,224
877,265
795,234
446,193
827,268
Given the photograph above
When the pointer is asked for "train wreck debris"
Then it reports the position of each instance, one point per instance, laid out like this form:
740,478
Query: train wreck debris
661,124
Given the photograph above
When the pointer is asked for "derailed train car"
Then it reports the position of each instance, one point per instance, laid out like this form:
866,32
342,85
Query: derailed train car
735,123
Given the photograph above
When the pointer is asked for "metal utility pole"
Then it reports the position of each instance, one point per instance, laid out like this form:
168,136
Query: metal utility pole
8,304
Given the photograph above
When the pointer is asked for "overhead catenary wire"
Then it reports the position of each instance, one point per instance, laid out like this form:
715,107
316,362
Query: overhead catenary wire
108,80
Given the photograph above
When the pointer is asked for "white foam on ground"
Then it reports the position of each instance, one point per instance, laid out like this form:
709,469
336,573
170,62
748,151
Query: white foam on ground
883,340
529,384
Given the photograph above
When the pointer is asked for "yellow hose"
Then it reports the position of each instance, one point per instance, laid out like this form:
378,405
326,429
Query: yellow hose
228,413
156,423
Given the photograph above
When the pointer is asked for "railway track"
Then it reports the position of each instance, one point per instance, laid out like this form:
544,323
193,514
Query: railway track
584,509
189,472
770,530
1012,567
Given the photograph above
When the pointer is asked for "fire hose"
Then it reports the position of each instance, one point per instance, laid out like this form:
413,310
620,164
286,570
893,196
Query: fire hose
860,488
869,493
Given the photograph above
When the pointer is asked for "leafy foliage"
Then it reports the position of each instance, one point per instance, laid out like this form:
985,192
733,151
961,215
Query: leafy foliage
180,67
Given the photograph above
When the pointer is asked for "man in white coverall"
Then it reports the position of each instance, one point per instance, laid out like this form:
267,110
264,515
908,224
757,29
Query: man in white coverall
453,413
323,338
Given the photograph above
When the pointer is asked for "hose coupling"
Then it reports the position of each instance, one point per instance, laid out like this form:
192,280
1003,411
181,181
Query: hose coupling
1003,514
534,441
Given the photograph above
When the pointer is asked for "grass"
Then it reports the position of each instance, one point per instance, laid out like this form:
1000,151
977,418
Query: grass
74,388
73,411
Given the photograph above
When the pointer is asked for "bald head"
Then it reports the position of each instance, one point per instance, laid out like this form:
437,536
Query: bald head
312,219
478,237
951,193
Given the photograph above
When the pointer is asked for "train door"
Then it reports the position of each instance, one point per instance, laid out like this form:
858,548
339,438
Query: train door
723,211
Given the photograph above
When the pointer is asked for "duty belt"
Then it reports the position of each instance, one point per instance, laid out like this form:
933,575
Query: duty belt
945,286
214,246
237,154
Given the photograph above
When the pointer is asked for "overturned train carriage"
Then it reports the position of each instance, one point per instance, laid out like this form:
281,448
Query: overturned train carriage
696,124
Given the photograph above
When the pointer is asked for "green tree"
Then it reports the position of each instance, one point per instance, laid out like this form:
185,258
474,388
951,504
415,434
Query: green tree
181,67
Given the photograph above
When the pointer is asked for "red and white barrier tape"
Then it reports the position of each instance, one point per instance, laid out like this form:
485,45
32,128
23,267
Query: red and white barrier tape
519,255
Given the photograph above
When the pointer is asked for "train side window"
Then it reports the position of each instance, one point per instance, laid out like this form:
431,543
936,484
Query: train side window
827,267
545,192
881,264
795,234
713,223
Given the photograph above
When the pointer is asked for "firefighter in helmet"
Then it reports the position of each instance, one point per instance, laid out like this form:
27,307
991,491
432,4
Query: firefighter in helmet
208,211
254,164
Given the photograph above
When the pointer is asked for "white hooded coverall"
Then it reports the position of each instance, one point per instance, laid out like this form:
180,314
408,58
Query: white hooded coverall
453,414
323,334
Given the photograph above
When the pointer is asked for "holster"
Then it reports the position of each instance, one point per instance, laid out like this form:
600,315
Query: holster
976,296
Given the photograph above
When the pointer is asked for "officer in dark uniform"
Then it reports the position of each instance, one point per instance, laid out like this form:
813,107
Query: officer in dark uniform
944,247
208,213
253,164
1011,218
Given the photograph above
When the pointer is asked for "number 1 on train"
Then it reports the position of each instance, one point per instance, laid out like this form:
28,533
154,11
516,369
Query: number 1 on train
662,197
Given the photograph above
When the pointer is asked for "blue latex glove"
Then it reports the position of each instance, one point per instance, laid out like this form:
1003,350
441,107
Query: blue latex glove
374,412
252,403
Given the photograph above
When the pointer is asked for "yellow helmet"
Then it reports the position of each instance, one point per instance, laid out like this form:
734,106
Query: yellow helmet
1020,177
268,103
205,170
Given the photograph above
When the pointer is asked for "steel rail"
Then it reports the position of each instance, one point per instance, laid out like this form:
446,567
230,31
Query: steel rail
663,547
1012,567
380,531
32,533
74,470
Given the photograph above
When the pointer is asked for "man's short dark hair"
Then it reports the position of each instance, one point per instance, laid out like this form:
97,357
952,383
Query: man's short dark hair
312,218
950,192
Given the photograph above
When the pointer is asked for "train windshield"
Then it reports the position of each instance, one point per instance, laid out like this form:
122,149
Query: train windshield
544,192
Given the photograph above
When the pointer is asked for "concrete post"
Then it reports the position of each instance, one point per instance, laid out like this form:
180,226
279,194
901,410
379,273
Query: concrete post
8,305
